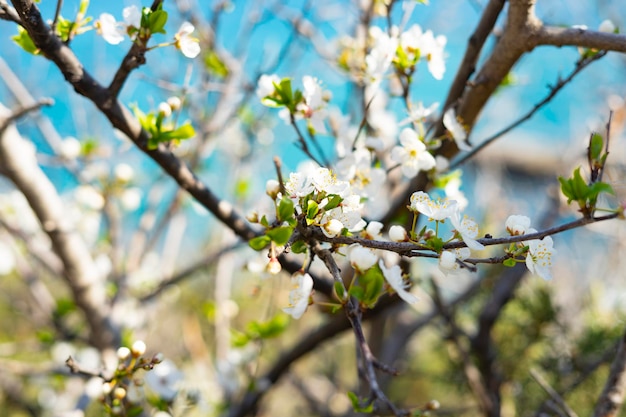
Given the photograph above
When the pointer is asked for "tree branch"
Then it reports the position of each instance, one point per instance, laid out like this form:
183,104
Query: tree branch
121,118
612,397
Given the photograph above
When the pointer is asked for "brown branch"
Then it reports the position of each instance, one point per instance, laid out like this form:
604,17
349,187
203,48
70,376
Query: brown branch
80,272
8,13
121,118
552,393
612,397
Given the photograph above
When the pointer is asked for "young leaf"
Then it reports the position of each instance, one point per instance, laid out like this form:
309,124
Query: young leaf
25,42
596,144
280,235
259,242
285,209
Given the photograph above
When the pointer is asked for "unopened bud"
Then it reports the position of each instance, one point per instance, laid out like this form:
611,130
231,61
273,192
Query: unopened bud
175,103
164,109
272,188
274,267
398,234
119,393
138,348
123,353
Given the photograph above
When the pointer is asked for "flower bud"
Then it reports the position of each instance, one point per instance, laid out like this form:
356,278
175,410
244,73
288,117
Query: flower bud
119,393
607,26
164,109
398,234
272,188
138,348
123,173
274,267
362,258
253,217
175,103
123,353
332,228
70,148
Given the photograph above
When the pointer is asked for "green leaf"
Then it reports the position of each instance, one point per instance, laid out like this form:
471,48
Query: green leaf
333,202
356,404
280,235
264,221
156,21
215,65
596,144
24,40
357,292
340,290
312,209
509,262
299,246
64,307
184,131
579,185
566,189
372,282
285,209
268,329
238,339
599,187
259,242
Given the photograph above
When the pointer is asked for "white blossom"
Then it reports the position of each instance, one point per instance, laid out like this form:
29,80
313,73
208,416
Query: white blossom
607,26
448,259
109,28
394,278
456,129
7,259
539,257
301,288
398,234
265,86
435,210
361,258
412,155
468,229
164,380
187,44
517,225
70,148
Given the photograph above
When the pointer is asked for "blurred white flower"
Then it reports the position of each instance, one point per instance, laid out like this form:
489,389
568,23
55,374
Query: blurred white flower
187,44
607,26
448,259
70,148
131,199
7,259
123,172
164,379
265,86
89,197
109,28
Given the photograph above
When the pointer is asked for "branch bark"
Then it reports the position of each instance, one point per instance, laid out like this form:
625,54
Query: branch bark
121,118
80,272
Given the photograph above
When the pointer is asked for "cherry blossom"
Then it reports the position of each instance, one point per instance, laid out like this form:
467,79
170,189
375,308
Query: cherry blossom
398,234
187,44
468,229
394,278
361,258
412,155
517,225
456,129
435,210
448,259
301,288
539,257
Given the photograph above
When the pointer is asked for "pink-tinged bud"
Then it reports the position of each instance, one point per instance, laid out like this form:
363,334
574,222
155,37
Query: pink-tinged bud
274,267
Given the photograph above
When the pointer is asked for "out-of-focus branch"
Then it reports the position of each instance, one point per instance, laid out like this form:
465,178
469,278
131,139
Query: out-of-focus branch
552,393
559,36
21,112
121,118
612,396
8,13
80,272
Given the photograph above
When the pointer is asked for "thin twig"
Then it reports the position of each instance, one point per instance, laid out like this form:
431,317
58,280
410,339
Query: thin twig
554,90
16,114
552,393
